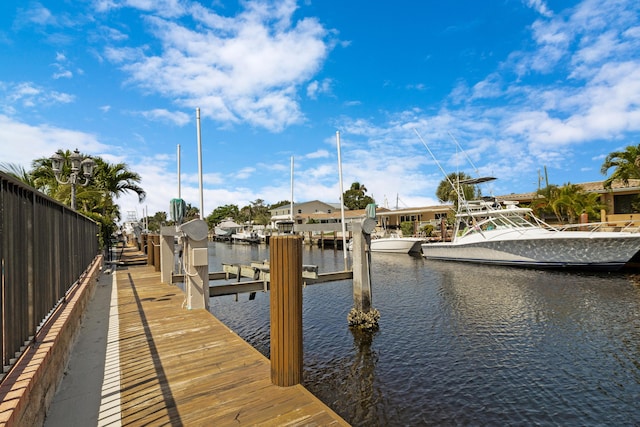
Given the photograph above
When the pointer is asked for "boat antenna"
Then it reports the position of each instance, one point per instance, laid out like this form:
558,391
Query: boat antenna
465,154
455,188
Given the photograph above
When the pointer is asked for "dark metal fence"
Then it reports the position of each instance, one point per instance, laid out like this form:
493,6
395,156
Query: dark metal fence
44,249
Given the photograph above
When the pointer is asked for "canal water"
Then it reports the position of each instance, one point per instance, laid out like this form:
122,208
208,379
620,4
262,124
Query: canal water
461,344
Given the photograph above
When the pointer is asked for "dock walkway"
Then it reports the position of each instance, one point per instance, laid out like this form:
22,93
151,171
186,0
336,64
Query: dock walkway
166,365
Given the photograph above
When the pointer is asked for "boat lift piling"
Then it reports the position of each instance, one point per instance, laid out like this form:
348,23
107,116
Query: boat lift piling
284,275
286,310
362,315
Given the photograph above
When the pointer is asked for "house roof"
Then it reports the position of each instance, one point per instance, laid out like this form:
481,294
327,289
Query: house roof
228,223
300,204
590,187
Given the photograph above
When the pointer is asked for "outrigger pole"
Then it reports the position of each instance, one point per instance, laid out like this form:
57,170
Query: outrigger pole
344,226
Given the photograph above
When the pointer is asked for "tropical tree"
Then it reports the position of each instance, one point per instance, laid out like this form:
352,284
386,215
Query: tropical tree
446,192
96,199
191,212
280,203
156,221
260,212
566,203
542,203
626,164
45,180
221,213
18,172
116,179
571,201
355,197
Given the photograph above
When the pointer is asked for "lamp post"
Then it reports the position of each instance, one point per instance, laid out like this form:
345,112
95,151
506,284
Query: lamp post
77,162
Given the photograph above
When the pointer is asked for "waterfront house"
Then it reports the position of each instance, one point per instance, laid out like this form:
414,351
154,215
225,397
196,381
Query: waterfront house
617,199
301,212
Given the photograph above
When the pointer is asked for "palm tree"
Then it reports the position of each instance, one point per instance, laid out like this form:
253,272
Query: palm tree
542,203
45,180
568,202
447,193
18,172
355,197
116,179
626,164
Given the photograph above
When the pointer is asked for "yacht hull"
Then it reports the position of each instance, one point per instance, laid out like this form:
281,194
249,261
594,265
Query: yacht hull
400,245
585,250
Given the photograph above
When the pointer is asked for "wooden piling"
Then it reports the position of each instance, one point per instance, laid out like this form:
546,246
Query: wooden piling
149,242
361,271
156,251
286,310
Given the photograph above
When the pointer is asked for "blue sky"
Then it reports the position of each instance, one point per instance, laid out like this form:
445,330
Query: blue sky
520,84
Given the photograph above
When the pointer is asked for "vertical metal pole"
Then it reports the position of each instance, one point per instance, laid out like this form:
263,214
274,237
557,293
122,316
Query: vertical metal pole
344,226
200,164
293,225
178,161
73,191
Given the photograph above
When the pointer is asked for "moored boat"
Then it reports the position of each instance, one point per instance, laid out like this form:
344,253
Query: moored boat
490,232
395,243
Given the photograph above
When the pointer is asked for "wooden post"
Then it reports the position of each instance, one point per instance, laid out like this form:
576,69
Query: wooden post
286,310
149,249
167,237
156,252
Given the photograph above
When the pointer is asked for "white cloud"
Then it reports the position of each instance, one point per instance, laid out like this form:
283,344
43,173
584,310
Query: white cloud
21,143
247,68
29,95
318,87
35,14
160,114
319,154
539,6
64,74
244,173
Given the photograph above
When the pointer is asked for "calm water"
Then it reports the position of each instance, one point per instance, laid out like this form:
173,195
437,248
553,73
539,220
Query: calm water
459,344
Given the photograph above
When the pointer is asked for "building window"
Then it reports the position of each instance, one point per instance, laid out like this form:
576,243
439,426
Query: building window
622,204
299,211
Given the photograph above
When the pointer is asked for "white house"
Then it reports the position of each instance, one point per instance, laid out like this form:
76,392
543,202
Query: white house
301,211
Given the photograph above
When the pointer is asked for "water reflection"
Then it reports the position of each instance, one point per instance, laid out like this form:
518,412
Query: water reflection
462,344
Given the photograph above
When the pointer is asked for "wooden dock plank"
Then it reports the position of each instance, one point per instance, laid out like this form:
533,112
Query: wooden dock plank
185,367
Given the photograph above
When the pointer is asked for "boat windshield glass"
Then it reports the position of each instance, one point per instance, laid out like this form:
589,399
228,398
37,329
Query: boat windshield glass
498,220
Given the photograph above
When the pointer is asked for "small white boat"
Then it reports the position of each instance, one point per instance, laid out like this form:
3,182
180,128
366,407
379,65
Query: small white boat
396,244
492,233
247,237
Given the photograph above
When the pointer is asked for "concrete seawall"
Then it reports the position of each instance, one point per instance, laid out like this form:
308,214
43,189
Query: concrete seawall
27,391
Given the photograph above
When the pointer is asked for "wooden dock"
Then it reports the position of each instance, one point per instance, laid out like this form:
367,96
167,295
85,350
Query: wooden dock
185,367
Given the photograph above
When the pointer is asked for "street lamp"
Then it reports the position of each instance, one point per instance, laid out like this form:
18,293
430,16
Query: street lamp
77,162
